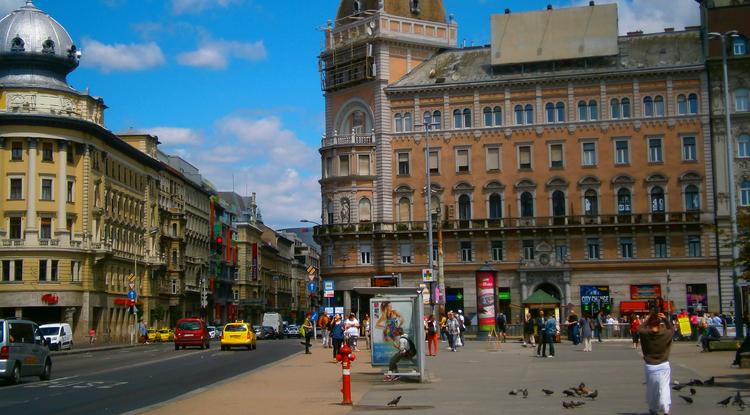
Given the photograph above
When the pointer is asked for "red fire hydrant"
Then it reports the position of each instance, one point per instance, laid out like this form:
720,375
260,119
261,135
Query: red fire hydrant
346,357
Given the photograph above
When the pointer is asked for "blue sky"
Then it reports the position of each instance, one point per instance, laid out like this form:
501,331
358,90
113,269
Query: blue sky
233,85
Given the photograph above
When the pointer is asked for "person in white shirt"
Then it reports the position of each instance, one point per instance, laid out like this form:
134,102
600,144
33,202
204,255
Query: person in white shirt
351,330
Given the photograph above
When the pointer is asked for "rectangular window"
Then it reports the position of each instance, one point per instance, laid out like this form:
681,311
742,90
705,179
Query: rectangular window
626,247
655,151
15,228
466,251
16,151
660,246
434,251
42,270
75,271
694,245
364,165
329,167
556,156
403,164
524,157
46,189
561,250
497,250
174,289
493,158
18,269
329,260
405,252
47,152
16,189
622,152
6,271
54,270
593,248
344,165
528,250
70,196
462,160
434,162
689,151
365,255
589,154
46,229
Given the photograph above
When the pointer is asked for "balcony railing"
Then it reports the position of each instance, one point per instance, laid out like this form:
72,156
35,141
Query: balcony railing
350,139
517,223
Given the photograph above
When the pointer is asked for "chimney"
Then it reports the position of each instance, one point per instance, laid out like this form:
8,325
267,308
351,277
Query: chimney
669,29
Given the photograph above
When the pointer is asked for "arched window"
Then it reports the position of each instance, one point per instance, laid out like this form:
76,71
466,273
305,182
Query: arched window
657,200
496,206
659,106
593,110
464,207
560,107
550,110
529,109
739,46
174,229
408,124
527,205
399,123
329,212
435,202
457,119
519,114
682,106
648,107
741,100
467,118
497,114
625,107
745,193
17,45
692,198
404,209
624,205
427,120
48,46
356,7
583,111
437,120
614,109
558,203
365,210
693,103
743,145
487,116
590,203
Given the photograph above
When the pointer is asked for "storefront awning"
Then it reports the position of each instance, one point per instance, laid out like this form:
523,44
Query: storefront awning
541,297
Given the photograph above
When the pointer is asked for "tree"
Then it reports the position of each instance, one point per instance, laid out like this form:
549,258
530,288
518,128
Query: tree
743,243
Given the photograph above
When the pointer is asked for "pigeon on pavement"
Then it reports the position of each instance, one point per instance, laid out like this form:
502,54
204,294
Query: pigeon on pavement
692,391
395,401
547,392
513,392
525,393
678,387
687,399
724,402
569,393
710,382
593,395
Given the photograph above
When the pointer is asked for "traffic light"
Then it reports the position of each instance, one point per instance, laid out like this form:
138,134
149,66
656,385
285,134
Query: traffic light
218,246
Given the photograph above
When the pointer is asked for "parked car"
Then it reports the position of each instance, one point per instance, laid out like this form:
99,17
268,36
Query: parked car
191,332
166,335
238,334
59,335
291,330
212,332
23,351
152,335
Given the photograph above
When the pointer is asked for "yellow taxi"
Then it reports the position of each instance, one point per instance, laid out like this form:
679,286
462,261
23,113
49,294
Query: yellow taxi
151,335
238,334
166,335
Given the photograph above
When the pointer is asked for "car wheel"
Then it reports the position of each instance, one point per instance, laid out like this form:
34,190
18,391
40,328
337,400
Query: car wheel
249,347
208,345
176,347
70,347
184,347
15,375
47,371
203,346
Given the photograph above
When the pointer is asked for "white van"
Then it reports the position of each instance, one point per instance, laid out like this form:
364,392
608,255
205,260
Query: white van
60,335
273,320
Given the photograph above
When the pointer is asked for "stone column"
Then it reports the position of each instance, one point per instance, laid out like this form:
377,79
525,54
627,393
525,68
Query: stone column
62,193
31,232
347,302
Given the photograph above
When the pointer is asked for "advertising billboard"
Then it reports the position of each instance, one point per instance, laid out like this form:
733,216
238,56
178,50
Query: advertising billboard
388,315
595,298
697,297
486,300
645,291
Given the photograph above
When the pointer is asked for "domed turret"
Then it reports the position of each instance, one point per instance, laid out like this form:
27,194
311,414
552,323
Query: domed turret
35,50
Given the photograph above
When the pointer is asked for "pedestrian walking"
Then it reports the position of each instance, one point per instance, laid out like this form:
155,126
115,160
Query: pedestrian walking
453,329
351,327
573,328
431,330
528,331
337,335
323,323
540,325
656,342
443,329
92,336
307,326
403,351
501,322
365,327
599,325
462,327
142,332
635,325
551,329
587,331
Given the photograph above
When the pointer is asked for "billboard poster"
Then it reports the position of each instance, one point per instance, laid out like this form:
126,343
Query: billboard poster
486,300
595,298
389,315
254,263
645,291
697,297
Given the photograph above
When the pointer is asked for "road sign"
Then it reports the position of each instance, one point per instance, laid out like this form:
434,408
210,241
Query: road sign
314,317
131,278
311,277
311,269
312,287
328,285
131,285
338,310
427,275
131,295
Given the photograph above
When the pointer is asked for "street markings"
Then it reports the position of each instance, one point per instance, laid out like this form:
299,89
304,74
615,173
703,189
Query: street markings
74,384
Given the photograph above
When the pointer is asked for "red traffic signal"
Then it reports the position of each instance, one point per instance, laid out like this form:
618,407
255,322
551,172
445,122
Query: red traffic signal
219,240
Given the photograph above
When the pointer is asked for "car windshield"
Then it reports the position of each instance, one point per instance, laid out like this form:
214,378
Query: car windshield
189,325
235,327
2,338
165,331
48,331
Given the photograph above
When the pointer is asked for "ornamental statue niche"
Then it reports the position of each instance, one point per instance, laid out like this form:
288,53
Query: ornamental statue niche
345,211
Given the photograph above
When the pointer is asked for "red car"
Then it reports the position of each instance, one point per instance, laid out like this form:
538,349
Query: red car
191,332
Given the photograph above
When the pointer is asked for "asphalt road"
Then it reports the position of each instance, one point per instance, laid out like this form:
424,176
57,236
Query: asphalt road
119,381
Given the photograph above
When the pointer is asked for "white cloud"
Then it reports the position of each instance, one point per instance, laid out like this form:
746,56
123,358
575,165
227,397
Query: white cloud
7,6
654,15
121,57
172,136
215,54
197,6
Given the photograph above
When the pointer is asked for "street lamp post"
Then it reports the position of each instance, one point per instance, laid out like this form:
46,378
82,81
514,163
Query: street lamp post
427,124
730,171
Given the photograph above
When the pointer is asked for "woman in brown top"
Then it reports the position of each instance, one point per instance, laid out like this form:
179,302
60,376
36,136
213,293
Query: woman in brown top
656,342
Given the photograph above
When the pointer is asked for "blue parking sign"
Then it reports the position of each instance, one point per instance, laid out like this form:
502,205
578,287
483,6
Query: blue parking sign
131,295
312,287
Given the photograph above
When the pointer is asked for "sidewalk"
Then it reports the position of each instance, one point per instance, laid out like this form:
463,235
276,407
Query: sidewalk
475,380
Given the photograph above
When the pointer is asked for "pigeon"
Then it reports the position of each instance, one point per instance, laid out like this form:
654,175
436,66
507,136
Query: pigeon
710,382
513,392
567,405
582,388
695,382
738,400
678,387
692,391
395,401
569,393
725,402
593,394
687,399
547,392
525,393
578,403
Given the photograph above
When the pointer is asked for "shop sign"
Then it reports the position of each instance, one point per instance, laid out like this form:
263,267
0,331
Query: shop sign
50,299
595,298
645,291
